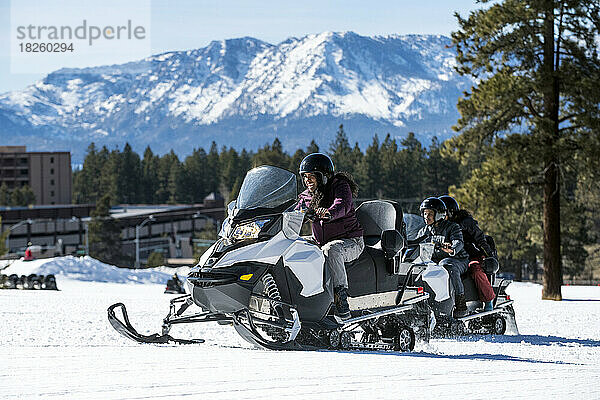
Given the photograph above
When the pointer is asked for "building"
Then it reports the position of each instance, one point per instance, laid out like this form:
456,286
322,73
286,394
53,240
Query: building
63,229
48,174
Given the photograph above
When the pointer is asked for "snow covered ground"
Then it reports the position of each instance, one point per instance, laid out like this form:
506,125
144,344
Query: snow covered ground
60,345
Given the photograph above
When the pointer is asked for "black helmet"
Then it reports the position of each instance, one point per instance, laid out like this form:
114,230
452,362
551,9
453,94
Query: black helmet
319,164
451,204
435,204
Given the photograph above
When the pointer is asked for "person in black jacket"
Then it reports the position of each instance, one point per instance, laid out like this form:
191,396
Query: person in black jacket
449,250
477,247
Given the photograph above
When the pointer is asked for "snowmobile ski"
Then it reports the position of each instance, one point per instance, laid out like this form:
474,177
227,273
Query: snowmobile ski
126,329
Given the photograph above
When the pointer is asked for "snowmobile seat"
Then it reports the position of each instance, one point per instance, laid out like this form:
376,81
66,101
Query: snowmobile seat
383,228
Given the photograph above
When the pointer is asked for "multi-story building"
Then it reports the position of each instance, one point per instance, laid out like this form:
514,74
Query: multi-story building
47,173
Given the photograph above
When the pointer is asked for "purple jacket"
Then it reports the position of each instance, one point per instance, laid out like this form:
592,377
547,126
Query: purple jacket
343,223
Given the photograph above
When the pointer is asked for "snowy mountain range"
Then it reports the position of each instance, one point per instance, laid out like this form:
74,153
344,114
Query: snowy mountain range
244,93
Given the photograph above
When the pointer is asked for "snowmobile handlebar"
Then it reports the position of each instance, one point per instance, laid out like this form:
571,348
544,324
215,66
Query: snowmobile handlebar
312,216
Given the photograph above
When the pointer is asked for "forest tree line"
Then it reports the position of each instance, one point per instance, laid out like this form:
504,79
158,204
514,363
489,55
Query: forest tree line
154,179
504,196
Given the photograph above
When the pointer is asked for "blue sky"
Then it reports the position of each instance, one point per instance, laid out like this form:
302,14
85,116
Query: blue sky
188,24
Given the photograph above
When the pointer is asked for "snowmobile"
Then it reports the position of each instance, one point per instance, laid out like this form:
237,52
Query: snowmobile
29,282
49,282
10,282
174,286
416,266
272,284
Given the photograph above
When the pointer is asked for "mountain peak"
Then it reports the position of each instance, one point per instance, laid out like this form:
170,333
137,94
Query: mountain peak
245,92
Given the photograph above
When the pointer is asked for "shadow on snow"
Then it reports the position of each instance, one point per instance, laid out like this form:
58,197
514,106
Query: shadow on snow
536,340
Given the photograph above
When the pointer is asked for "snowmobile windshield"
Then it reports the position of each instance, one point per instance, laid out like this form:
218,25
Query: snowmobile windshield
266,187
413,224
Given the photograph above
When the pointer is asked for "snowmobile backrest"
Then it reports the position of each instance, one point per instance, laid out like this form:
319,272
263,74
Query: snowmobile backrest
391,242
490,241
377,216
490,265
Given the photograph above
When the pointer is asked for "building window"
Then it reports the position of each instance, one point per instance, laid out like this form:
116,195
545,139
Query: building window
51,160
23,161
52,182
52,193
24,172
51,171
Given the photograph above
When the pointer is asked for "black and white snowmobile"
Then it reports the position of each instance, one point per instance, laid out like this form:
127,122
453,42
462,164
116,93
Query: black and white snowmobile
174,286
416,269
31,281
272,285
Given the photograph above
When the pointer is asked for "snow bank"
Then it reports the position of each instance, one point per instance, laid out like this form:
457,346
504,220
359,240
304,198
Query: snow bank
91,270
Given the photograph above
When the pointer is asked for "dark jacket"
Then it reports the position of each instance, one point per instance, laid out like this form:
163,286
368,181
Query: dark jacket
444,232
338,200
475,243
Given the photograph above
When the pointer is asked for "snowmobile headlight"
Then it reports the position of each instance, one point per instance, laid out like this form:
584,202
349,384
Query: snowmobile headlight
246,277
249,230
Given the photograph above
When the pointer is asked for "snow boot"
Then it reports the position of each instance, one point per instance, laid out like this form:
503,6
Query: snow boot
488,306
341,302
460,306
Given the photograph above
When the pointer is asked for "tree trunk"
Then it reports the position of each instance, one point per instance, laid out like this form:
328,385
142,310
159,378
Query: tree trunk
550,129
552,261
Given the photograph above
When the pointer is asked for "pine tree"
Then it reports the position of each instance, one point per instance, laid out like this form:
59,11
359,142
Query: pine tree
109,174
212,161
86,182
389,167
411,169
176,181
27,196
538,67
3,235
441,171
129,177
313,147
341,152
104,234
368,174
356,158
503,195
149,180
16,198
229,161
271,155
295,161
167,178
196,174
4,195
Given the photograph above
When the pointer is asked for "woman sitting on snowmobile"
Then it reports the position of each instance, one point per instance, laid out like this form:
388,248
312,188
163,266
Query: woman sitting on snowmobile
328,196
477,247
450,252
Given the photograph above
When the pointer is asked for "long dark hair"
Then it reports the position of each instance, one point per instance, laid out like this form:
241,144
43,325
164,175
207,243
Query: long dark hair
320,198
460,215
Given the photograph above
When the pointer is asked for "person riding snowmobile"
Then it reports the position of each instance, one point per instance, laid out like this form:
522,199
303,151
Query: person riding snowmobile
449,252
476,246
335,228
